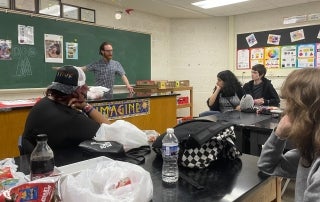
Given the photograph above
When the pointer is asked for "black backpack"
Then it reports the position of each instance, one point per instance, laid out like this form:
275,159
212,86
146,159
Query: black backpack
202,142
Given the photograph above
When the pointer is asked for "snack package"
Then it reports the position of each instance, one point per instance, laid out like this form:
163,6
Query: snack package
41,190
5,173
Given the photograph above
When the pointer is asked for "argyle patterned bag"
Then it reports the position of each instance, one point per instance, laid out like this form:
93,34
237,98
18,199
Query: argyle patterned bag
201,142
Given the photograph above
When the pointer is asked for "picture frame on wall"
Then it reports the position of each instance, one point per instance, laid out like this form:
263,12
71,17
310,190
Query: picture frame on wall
70,11
50,7
87,15
5,3
25,5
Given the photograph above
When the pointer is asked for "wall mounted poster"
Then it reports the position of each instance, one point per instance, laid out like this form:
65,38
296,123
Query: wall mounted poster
306,55
288,57
251,40
273,39
71,50
297,35
243,61
256,56
318,55
272,57
25,34
5,49
53,48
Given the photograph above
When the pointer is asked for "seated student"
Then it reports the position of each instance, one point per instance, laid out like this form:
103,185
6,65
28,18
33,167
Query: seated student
300,125
63,114
226,95
261,88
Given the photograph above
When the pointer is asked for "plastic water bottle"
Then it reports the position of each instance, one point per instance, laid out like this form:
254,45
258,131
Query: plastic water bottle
41,159
170,150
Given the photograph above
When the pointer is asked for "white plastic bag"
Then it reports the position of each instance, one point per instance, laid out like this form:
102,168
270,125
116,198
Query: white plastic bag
112,181
96,92
123,132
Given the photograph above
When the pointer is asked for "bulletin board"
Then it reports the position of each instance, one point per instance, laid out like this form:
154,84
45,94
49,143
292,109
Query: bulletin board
25,67
281,51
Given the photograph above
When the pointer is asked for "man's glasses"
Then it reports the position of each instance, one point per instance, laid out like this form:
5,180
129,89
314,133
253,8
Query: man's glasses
108,50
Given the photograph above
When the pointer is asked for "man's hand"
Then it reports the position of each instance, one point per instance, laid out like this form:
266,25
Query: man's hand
130,89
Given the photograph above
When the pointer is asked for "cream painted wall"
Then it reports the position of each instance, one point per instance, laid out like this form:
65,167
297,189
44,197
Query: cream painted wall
198,50
194,49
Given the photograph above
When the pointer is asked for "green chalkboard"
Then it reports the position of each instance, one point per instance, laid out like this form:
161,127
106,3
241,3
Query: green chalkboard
27,67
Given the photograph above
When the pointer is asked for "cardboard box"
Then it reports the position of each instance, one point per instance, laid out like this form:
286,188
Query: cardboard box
182,83
166,84
146,83
162,84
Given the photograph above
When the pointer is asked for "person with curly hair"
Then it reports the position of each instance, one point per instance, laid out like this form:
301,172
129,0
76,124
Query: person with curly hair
226,95
301,126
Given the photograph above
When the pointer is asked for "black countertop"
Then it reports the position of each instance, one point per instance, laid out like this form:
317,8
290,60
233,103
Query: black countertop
225,180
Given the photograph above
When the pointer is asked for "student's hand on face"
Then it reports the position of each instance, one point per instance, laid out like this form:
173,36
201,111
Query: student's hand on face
75,103
283,127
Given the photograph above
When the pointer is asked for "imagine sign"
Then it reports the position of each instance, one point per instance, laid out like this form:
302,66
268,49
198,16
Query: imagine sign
123,108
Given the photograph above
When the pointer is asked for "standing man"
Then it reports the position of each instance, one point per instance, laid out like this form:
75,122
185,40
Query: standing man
106,69
261,88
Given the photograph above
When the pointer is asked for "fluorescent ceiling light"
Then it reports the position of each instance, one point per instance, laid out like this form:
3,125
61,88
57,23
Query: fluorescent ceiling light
206,4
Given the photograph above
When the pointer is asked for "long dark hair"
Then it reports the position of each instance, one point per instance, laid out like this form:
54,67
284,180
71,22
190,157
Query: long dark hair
230,83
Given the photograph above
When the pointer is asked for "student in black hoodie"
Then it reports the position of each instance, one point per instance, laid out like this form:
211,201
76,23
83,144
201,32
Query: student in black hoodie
261,88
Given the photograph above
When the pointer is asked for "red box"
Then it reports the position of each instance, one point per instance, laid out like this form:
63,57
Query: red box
183,100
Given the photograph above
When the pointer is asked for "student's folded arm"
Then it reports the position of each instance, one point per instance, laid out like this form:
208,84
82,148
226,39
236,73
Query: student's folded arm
272,161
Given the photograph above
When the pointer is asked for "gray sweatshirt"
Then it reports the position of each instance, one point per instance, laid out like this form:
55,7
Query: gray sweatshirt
272,161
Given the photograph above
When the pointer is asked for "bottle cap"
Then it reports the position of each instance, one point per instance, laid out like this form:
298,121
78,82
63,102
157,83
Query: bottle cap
42,137
170,130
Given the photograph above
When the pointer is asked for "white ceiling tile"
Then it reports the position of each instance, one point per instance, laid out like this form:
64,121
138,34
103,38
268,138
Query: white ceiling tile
184,8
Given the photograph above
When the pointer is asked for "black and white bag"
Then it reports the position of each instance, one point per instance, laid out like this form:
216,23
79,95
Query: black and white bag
202,142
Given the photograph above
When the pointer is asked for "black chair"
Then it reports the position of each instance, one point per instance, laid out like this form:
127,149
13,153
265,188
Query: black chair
24,146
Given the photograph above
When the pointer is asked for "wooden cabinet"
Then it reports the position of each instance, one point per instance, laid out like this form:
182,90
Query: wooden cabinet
173,90
13,121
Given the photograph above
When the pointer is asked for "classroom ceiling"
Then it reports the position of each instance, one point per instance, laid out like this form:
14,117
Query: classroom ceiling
184,8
